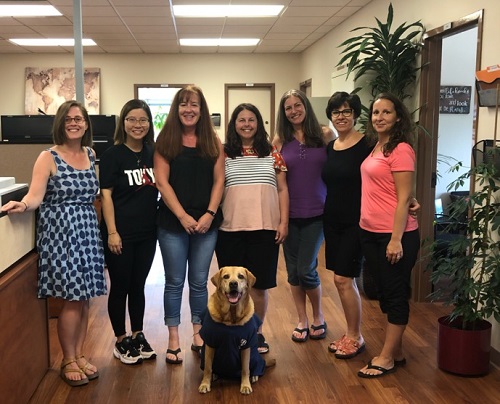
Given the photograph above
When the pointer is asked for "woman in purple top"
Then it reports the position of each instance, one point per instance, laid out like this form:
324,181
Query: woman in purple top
300,140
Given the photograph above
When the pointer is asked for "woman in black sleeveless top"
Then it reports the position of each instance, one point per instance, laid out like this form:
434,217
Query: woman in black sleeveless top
189,171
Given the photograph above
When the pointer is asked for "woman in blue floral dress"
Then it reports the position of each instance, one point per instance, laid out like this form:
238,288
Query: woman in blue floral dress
71,264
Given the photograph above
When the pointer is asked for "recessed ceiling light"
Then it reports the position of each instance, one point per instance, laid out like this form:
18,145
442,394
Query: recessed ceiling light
201,11
25,10
219,41
50,42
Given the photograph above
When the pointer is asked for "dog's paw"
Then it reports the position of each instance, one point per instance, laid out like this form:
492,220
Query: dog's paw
245,389
270,362
204,388
253,379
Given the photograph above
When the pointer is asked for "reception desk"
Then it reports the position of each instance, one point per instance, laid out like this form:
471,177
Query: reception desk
24,338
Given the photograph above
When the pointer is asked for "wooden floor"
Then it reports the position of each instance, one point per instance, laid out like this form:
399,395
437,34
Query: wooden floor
305,373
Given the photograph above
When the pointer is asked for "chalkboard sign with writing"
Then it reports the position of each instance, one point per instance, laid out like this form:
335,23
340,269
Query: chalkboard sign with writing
454,99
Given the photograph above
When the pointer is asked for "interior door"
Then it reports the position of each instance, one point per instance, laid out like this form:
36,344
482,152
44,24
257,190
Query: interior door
260,95
427,149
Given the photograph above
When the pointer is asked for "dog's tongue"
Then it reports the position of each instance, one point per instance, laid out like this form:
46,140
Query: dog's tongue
233,297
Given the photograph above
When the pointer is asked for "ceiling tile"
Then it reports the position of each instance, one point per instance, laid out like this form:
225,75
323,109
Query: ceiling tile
147,26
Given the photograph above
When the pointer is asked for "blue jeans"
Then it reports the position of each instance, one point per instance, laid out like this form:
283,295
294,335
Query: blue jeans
181,253
301,249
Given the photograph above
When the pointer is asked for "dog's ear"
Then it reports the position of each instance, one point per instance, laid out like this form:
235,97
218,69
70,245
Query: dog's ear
215,278
250,278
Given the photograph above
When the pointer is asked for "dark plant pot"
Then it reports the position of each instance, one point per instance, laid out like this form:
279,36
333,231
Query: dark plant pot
463,352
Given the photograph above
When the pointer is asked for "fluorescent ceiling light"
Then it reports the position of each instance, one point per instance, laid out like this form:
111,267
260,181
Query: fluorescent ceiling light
201,11
50,42
25,10
219,41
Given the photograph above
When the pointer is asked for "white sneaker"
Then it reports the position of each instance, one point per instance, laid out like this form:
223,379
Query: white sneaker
142,345
126,352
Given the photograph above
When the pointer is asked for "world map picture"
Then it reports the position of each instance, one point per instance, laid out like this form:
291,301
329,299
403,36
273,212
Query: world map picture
48,88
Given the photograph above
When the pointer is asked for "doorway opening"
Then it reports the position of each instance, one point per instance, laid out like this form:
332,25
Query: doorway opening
427,153
159,98
262,95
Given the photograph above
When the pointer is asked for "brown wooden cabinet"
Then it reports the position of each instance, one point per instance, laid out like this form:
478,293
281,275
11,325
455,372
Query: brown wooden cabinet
24,340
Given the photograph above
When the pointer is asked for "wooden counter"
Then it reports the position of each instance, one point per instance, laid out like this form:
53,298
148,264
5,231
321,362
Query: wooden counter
24,340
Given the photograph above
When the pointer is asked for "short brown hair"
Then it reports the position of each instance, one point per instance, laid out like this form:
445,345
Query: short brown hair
59,127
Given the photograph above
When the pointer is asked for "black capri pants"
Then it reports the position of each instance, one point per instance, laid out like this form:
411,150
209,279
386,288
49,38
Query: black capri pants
393,280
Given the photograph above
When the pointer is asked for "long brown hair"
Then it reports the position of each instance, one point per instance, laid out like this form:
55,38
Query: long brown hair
313,135
403,129
169,142
120,136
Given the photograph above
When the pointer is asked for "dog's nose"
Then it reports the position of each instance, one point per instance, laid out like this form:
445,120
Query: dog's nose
233,285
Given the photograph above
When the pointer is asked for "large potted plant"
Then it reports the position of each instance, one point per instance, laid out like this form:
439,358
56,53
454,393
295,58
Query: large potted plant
470,269
384,60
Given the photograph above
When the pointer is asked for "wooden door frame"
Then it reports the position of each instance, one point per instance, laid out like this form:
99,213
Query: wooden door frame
241,86
305,85
163,85
427,143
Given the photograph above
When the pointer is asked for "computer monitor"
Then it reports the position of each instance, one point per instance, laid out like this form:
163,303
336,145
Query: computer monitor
27,128
37,129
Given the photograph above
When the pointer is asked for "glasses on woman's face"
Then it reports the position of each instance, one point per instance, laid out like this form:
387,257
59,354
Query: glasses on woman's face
77,119
345,112
135,121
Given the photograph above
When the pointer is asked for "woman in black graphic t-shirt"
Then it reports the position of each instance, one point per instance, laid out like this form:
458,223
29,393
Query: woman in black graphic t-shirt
129,203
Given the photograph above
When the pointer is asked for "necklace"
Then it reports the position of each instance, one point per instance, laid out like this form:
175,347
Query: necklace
137,155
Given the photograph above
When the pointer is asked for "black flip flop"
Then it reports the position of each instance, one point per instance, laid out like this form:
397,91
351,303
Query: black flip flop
383,371
196,348
262,345
316,328
175,361
300,331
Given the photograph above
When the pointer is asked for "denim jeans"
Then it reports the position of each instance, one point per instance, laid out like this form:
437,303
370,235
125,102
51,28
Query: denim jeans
301,249
181,253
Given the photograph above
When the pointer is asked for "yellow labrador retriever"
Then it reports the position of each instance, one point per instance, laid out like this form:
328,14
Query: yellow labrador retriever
229,331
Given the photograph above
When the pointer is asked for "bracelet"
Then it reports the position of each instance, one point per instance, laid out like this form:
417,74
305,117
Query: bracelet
110,234
25,204
211,212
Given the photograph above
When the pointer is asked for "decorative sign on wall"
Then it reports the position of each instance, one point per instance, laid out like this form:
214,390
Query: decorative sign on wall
454,99
47,89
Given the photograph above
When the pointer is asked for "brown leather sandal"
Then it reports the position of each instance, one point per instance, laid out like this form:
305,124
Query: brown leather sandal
86,368
73,383
336,344
349,348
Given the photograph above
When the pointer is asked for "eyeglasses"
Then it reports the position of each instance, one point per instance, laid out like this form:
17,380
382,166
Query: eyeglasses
140,121
345,112
77,119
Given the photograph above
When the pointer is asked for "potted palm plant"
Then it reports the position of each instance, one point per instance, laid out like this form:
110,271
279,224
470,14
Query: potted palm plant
385,60
471,270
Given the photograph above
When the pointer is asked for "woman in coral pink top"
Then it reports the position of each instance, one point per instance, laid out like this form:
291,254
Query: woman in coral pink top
389,237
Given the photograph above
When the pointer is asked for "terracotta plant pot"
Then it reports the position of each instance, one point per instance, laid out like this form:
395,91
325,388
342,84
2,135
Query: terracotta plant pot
463,352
